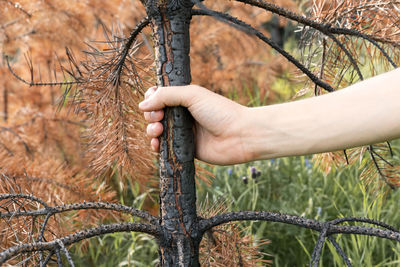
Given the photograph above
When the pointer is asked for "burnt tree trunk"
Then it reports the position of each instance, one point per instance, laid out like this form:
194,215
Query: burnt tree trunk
170,20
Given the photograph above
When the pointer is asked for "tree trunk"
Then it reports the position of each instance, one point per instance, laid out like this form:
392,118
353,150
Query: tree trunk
170,20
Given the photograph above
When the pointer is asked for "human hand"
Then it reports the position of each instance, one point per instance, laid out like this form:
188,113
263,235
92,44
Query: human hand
218,125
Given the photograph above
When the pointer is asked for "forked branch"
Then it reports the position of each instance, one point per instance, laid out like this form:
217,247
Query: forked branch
116,77
79,79
207,224
326,229
251,30
69,207
326,29
33,83
79,236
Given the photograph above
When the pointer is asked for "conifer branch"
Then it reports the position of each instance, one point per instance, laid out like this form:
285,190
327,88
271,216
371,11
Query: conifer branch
116,77
340,251
379,169
69,207
369,38
250,30
207,224
321,27
78,79
79,236
348,54
33,83
24,196
316,254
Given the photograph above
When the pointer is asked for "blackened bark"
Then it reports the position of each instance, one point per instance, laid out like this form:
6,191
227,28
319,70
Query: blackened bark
170,20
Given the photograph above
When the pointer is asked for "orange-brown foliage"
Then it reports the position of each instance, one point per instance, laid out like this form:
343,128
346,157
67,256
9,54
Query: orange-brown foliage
62,156
229,244
41,148
378,19
224,59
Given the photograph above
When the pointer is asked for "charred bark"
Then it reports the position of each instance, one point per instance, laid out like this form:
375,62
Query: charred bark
170,20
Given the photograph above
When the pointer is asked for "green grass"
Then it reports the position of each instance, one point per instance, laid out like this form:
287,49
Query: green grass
295,186
287,185
120,249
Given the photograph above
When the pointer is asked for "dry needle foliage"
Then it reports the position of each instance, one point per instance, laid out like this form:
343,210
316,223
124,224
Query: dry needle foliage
42,149
329,61
226,60
72,126
327,57
70,143
228,244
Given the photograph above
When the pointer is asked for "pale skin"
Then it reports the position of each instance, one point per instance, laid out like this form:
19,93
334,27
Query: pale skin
228,133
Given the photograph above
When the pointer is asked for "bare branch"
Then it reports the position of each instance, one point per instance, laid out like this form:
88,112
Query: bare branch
249,29
121,61
207,224
323,28
30,197
78,236
69,259
348,54
364,220
316,255
340,251
372,153
48,258
75,206
33,83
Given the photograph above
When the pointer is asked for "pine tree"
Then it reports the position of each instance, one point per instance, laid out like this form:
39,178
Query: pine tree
104,87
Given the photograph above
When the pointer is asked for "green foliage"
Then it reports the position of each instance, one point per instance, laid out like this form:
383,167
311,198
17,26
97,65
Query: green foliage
120,249
295,186
288,185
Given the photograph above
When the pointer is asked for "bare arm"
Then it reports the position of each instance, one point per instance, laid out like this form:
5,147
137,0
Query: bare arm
364,113
227,133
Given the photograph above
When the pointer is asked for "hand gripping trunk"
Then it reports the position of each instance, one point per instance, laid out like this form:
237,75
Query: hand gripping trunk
180,245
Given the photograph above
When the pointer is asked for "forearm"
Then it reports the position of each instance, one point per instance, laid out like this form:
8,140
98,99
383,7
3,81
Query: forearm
365,113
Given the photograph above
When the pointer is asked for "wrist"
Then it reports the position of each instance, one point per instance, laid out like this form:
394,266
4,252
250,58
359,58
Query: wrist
271,132
256,134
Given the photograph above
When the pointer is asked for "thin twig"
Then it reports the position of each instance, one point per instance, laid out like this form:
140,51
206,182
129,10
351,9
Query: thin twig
78,236
249,29
321,27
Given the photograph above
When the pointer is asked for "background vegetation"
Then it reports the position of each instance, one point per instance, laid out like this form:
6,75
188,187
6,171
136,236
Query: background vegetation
42,151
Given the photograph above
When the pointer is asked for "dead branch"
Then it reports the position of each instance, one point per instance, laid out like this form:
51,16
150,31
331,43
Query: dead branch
249,29
79,236
70,207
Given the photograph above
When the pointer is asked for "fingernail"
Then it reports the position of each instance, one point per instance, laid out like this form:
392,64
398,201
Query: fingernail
152,128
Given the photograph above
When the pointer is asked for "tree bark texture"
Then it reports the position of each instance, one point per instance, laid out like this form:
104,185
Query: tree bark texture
179,246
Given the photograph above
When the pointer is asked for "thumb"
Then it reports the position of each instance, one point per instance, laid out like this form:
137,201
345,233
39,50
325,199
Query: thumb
169,96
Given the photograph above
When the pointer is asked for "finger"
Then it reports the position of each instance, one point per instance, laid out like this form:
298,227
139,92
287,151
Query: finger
155,144
154,116
170,96
150,91
154,129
